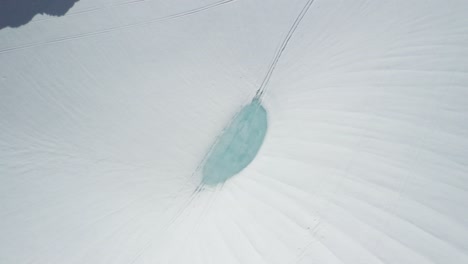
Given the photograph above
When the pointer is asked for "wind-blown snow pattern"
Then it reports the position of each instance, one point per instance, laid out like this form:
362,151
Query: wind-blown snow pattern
109,112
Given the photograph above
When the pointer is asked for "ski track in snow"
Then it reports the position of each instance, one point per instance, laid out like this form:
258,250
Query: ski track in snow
113,29
364,159
91,9
282,47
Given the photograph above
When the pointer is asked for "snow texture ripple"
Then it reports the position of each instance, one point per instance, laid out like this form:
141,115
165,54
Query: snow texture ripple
107,113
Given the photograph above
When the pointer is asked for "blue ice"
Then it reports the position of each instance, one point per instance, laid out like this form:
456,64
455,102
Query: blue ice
238,144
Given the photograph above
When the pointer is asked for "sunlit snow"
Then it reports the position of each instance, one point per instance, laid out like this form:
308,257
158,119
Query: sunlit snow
234,131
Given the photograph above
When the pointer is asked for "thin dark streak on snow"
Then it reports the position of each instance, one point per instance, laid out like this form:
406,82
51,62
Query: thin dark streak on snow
283,46
112,29
91,9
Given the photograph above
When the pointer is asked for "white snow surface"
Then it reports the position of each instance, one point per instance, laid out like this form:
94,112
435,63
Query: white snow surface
107,112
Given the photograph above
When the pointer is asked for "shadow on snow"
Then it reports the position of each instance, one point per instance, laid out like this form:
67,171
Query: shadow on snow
15,13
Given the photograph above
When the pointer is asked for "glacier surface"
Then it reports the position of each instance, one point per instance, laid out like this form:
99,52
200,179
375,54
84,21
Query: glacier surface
112,115
238,144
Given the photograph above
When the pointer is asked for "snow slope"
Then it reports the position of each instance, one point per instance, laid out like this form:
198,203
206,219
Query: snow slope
107,113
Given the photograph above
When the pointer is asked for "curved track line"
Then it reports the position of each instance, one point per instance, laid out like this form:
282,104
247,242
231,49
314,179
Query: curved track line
112,29
283,46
